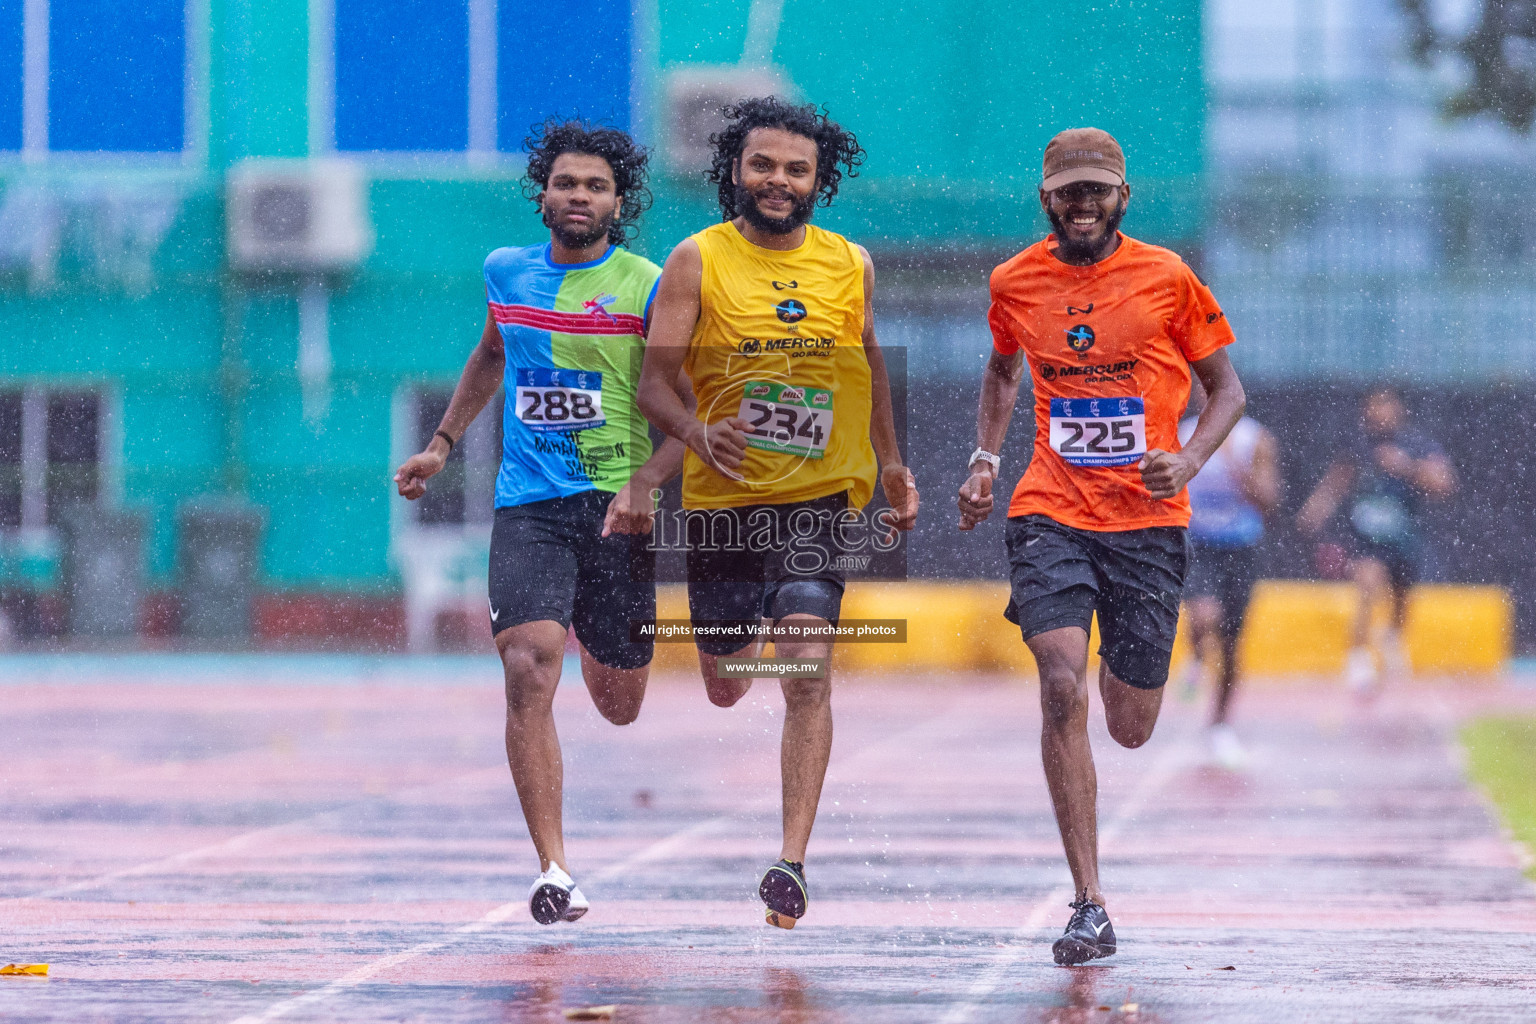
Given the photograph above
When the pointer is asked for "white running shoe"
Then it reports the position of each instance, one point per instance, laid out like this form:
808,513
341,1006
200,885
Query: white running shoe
551,896
578,905
1360,675
1394,657
1226,750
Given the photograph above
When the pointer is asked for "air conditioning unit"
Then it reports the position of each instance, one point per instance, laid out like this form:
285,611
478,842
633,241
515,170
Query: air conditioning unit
694,96
298,215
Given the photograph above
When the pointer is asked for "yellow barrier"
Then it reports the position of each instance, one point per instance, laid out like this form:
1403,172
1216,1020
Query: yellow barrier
1460,629
672,603
1298,627
1293,628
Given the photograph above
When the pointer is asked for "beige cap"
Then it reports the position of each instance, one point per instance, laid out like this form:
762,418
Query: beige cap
1083,154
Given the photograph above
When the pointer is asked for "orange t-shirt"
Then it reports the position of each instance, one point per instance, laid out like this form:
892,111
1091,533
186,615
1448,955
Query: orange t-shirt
1122,331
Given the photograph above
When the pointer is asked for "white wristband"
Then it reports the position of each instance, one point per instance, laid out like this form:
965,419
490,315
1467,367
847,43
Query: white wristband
981,454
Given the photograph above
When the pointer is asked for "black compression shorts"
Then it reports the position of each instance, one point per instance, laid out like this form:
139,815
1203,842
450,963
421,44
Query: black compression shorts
733,578
1133,579
550,561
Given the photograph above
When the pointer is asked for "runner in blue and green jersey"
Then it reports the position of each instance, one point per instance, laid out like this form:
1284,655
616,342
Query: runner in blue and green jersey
564,335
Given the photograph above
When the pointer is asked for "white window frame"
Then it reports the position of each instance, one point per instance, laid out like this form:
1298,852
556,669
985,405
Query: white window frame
35,145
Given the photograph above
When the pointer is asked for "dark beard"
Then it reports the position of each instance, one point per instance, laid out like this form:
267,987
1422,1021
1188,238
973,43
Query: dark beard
571,240
1090,254
746,205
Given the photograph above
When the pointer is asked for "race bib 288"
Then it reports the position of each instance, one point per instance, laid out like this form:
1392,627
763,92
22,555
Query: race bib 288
559,399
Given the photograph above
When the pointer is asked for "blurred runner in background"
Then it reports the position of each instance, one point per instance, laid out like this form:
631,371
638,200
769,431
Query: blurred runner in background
1112,328
564,335
1380,479
1228,499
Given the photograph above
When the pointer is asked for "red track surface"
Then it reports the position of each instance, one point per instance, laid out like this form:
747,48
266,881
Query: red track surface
257,848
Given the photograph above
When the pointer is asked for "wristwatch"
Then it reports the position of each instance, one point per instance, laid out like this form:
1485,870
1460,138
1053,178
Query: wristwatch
985,456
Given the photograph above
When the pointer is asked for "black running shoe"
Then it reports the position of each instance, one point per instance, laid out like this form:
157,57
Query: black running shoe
783,891
1089,935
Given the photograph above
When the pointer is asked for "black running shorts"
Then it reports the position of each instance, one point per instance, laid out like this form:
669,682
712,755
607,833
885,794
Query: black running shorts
1401,559
1133,579
763,562
550,561
1226,575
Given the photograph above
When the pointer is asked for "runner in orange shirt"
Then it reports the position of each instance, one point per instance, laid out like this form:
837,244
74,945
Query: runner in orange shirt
1112,328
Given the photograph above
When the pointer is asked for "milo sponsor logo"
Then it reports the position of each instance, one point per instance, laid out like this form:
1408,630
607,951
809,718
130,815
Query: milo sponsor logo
821,398
792,394
759,390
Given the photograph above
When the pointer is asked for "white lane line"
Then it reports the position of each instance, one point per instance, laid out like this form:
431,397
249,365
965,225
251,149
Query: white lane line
662,848
1023,938
657,850
233,843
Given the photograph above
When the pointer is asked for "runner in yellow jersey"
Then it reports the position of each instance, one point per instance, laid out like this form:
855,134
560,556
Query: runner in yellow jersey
771,319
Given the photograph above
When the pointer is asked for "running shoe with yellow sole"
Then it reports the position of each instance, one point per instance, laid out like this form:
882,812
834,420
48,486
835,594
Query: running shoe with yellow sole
784,893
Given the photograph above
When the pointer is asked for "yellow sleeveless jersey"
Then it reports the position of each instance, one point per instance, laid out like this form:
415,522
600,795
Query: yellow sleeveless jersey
779,343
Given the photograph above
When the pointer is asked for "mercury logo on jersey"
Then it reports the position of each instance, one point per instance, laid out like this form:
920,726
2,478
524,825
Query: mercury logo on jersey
793,346
1092,373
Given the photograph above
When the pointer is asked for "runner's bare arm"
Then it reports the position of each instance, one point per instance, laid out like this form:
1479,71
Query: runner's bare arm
673,318
633,509
1165,473
1436,476
895,478
1261,484
477,385
999,392
1432,475
1325,497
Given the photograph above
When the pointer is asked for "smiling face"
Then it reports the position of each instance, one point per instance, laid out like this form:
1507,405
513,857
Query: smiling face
776,180
1085,216
580,202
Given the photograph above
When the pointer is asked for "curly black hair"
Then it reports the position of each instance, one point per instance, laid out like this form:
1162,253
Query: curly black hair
837,151
625,156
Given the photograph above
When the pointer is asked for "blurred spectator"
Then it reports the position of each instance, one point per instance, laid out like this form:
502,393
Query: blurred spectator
1380,481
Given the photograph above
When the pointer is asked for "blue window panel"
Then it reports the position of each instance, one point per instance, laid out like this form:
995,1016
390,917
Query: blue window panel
116,75
10,74
570,58
402,75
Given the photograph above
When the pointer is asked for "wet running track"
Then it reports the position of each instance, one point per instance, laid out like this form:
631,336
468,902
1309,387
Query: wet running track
301,839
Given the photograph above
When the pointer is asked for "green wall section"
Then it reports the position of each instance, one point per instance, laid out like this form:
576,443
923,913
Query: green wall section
258,79
954,102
